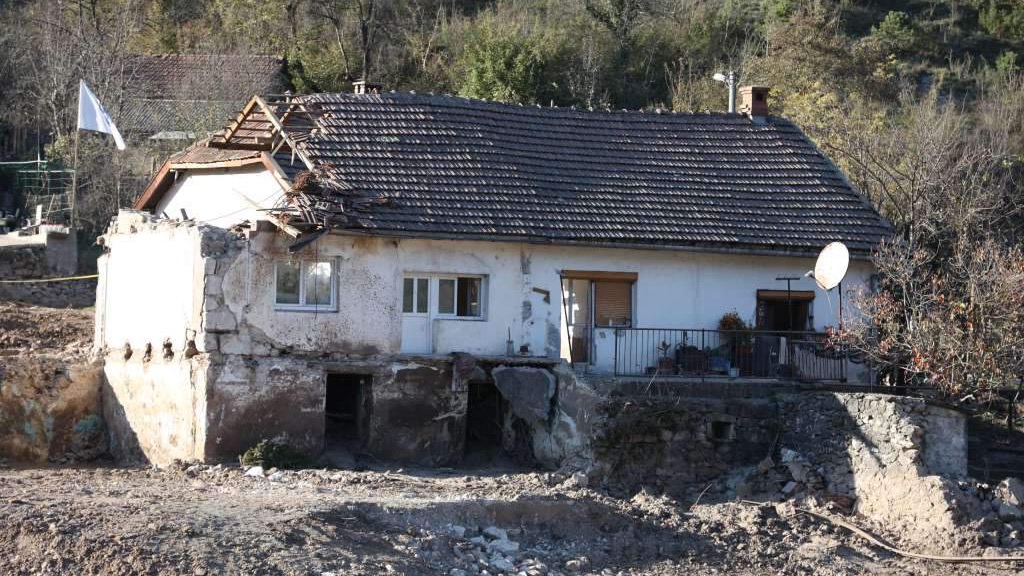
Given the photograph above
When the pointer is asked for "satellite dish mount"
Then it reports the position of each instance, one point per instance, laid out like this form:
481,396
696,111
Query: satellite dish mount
830,269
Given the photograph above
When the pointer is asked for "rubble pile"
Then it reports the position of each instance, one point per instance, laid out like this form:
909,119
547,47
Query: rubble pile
1001,509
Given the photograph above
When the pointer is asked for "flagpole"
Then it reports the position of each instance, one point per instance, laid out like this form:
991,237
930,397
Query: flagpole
73,202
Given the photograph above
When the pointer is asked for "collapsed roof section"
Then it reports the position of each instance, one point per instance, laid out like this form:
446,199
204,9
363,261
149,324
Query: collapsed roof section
441,166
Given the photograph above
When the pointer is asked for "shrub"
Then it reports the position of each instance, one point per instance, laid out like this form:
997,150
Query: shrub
273,454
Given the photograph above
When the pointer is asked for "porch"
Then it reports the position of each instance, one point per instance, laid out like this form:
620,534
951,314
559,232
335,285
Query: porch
708,354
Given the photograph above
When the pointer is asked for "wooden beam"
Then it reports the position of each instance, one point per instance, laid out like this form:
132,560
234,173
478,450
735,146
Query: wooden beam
155,189
241,118
599,275
219,164
783,295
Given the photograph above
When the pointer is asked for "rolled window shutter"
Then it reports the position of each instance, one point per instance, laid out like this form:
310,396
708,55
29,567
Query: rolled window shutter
613,303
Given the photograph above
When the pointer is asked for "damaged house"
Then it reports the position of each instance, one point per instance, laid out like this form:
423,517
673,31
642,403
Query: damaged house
418,274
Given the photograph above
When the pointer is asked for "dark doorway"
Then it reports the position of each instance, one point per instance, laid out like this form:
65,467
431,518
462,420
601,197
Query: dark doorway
484,417
346,416
784,311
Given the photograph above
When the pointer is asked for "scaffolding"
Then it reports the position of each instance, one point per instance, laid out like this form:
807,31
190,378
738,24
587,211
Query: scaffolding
44,184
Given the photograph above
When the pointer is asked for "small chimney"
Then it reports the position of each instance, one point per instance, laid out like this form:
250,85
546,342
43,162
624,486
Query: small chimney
363,87
754,102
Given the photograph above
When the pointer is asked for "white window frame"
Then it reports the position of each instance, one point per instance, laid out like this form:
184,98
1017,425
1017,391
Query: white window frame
415,291
434,295
302,306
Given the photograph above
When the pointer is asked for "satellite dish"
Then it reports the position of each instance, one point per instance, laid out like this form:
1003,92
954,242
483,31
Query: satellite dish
832,264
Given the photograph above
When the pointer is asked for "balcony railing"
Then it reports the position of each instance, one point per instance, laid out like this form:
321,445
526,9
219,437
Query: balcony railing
807,356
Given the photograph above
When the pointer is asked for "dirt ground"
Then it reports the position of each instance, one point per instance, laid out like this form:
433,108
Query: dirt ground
219,520
26,329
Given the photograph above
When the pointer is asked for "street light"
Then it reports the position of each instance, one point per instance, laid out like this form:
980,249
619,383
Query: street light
729,80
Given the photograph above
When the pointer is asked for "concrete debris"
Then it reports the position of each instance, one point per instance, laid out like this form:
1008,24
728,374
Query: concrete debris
1011,491
1008,512
495,533
256,471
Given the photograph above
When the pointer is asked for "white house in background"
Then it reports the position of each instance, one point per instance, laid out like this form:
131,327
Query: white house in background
333,237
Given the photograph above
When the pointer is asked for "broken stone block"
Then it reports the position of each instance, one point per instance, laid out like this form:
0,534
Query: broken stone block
1008,512
220,320
210,266
528,390
213,286
255,471
502,563
504,546
235,344
1011,490
790,488
495,533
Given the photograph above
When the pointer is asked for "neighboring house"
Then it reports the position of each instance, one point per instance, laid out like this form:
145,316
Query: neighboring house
377,257
176,98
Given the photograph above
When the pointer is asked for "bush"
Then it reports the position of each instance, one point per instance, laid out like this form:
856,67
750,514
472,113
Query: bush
273,454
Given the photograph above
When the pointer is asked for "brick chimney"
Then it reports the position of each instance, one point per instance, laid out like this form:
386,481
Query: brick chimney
754,102
363,87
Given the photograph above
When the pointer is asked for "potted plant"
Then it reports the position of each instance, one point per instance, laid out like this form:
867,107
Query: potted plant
737,337
666,364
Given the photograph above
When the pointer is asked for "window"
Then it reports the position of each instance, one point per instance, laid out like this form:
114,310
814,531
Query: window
415,295
456,296
302,285
613,303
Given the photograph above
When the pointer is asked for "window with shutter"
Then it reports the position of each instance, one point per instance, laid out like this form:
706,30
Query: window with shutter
613,303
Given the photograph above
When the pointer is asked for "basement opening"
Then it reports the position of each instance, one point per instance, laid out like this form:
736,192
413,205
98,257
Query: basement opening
722,431
484,417
345,411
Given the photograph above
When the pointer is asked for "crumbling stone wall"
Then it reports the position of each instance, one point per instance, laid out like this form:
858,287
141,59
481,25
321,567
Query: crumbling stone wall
671,443
898,457
858,438
50,410
54,257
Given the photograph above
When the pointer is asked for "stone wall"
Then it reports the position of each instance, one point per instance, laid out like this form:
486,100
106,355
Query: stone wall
672,443
856,438
897,458
50,409
52,256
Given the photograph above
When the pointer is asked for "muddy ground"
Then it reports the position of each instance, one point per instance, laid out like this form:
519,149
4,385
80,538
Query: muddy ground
219,520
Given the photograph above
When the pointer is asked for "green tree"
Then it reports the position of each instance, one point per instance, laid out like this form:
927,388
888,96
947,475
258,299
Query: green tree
501,66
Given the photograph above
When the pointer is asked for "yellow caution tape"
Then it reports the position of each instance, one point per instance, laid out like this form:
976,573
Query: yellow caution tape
50,279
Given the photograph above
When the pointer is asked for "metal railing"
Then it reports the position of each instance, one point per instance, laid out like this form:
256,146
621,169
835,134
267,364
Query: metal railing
807,356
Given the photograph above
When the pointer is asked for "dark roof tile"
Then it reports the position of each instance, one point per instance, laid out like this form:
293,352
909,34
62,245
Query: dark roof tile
447,166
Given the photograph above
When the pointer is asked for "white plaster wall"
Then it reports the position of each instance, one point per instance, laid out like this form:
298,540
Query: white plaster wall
673,290
222,197
150,288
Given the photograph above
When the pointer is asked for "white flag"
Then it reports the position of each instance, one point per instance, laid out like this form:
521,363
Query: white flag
93,116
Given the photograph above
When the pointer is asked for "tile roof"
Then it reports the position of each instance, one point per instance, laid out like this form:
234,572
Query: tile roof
147,116
194,92
206,76
440,165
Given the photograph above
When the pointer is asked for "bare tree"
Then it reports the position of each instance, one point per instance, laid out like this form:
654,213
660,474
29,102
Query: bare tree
364,15
949,309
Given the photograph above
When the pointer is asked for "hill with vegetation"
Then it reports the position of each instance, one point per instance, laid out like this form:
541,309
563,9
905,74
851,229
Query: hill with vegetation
919,101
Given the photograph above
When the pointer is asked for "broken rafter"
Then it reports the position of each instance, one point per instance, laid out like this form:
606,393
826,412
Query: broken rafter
239,120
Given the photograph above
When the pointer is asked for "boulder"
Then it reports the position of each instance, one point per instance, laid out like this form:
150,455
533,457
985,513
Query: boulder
528,390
